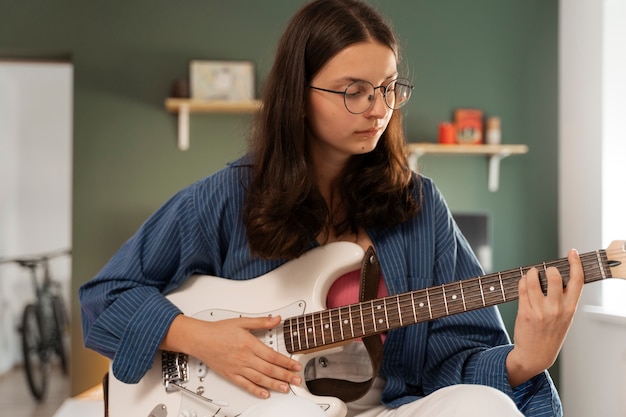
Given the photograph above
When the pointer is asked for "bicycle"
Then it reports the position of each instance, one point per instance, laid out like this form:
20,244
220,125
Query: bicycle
44,324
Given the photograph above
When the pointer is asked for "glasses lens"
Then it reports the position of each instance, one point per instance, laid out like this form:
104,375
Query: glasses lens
398,93
359,96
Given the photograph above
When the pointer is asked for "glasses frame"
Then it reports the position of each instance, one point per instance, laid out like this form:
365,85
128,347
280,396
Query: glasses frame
383,90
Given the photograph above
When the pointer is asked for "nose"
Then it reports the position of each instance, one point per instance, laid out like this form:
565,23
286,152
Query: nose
379,108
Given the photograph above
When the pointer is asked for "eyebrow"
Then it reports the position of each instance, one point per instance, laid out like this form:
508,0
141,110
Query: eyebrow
353,79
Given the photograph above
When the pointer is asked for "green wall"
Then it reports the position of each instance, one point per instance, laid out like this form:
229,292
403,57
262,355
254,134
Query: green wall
497,55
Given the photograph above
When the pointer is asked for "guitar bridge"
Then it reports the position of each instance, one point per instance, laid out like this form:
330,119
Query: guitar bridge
175,369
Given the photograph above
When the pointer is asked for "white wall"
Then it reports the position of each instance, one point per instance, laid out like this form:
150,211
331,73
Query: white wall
592,103
35,183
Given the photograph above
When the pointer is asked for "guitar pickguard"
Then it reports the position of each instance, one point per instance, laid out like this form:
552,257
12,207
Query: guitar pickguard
203,392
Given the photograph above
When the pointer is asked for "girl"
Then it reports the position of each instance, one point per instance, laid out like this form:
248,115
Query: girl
327,163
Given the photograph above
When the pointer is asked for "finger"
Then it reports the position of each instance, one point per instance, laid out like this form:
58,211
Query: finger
555,285
265,381
268,354
259,377
279,375
533,285
576,275
284,362
251,387
260,323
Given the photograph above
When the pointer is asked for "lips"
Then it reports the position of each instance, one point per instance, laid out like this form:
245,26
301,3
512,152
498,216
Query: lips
369,132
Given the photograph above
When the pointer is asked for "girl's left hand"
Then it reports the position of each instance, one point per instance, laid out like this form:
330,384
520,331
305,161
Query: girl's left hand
542,320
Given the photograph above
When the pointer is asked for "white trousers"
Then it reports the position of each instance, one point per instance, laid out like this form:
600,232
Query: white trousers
352,360
452,401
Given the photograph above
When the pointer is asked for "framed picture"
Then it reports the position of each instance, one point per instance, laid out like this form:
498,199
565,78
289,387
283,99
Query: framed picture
222,80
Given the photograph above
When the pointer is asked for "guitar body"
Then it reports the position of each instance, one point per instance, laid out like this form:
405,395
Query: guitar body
295,288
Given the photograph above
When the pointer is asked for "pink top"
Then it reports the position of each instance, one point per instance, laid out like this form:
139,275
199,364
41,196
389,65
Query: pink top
345,290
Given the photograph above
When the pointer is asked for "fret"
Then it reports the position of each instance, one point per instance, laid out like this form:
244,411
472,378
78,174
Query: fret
601,265
413,307
453,298
378,314
362,321
501,286
482,294
462,295
436,296
304,329
420,300
399,310
386,313
291,340
374,315
350,322
317,329
324,326
492,293
369,320
341,323
445,301
472,294
309,332
430,311
299,332
331,322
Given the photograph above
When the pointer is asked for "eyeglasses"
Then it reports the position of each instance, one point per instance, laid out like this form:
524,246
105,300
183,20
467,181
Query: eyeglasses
359,96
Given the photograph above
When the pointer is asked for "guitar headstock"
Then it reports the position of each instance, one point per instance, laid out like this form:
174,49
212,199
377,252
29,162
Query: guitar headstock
616,254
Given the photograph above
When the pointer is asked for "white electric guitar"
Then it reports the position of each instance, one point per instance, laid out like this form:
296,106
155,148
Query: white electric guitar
179,385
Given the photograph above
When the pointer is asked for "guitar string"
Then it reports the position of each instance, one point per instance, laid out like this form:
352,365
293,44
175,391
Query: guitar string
398,317
437,307
508,287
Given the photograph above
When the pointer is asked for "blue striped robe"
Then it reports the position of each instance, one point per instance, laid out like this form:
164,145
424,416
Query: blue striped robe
200,230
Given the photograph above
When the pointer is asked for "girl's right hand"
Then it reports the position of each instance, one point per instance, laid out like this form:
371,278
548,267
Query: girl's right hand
229,348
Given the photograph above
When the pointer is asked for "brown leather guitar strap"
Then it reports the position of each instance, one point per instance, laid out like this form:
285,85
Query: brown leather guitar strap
348,391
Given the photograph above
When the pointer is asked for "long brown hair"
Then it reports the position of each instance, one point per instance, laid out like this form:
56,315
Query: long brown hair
284,210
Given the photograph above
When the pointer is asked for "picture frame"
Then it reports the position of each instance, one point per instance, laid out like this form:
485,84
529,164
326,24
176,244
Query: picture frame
222,80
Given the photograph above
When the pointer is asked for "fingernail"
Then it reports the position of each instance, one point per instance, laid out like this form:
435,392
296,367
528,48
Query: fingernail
264,394
284,388
296,380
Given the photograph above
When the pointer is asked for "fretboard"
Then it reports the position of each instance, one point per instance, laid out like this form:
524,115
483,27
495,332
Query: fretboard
337,325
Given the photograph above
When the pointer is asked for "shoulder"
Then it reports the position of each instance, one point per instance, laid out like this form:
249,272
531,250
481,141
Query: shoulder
228,181
426,191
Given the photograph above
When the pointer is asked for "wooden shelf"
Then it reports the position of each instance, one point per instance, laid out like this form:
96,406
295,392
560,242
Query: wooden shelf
495,153
173,105
184,106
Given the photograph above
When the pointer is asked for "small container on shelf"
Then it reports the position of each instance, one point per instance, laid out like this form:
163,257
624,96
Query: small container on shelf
447,133
493,133
469,126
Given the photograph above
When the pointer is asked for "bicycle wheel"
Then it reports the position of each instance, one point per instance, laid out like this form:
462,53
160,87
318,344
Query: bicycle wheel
35,352
60,332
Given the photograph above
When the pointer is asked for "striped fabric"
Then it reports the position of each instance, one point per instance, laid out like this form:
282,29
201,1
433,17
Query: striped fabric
199,230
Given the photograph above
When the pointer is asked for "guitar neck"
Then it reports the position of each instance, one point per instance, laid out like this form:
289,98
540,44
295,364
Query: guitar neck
337,325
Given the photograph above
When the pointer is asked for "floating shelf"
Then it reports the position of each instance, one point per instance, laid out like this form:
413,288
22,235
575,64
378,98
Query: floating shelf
184,106
495,153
